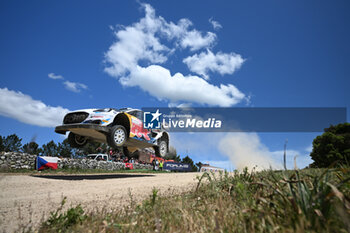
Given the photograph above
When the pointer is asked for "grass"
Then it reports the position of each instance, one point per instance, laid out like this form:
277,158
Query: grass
311,200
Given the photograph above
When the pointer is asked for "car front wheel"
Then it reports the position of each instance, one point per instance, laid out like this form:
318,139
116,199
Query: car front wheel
118,136
162,149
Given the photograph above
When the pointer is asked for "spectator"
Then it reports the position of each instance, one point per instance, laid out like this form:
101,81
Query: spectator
126,160
157,165
161,165
154,164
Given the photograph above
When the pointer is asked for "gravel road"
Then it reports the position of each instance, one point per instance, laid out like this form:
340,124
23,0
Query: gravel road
27,200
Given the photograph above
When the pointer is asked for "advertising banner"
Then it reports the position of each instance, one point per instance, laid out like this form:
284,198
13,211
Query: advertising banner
172,166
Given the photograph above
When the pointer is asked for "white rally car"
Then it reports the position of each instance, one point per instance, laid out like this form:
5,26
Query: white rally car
119,128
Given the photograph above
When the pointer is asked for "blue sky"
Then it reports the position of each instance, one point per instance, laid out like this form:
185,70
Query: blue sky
280,53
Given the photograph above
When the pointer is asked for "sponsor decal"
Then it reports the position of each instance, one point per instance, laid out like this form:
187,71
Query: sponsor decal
97,116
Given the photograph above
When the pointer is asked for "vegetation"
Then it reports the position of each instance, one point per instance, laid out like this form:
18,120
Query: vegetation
11,143
172,155
312,200
333,146
189,161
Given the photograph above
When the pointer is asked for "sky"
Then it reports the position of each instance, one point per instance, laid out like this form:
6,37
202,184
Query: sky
58,56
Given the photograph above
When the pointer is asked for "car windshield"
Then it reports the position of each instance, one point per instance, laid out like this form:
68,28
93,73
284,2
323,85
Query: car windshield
103,110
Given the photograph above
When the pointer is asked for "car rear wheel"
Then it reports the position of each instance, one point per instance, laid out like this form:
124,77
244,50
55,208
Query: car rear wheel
77,141
162,148
118,136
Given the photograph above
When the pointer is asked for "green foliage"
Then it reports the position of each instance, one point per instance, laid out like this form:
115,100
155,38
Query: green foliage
60,221
154,196
92,148
50,149
11,143
199,165
333,146
31,148
2,147
64,149
188,160
172,154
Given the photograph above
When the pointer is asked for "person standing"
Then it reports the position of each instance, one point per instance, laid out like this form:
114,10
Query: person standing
161,165
157,165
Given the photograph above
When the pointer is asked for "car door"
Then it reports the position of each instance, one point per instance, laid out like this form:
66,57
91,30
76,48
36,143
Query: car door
137,131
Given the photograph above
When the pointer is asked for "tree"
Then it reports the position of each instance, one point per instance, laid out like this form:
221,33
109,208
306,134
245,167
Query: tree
2,148
31,148
332,146
172,154
188,160
12,143
91,148
64,149
199,165
50,149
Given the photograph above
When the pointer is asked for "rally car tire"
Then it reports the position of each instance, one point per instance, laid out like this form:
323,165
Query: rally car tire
117,136
162,148
77,141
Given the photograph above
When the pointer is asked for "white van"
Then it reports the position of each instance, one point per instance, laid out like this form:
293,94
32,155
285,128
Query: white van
99,157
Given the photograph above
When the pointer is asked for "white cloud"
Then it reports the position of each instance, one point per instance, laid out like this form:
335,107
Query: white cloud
158,81
24,109
75,87
143,42
216,25
54,76
223,63
195,40
71,86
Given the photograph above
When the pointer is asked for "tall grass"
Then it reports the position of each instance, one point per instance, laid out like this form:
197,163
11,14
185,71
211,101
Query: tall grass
311,200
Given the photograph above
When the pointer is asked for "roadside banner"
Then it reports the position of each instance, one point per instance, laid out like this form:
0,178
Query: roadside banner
46,162
172,166
129,165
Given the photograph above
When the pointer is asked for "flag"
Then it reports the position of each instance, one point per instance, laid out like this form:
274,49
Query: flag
129,165
45,162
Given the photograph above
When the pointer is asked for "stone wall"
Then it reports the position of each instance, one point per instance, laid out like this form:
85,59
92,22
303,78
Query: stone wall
16,160
94,164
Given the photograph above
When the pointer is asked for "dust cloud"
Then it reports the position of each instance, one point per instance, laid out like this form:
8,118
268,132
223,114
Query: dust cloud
246,150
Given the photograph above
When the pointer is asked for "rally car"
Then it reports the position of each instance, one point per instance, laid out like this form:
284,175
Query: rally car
119,128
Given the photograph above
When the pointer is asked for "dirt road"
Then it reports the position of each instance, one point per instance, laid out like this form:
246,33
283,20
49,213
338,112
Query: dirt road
27,199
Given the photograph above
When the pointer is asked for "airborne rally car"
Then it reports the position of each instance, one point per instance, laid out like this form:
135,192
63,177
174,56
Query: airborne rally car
120,128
